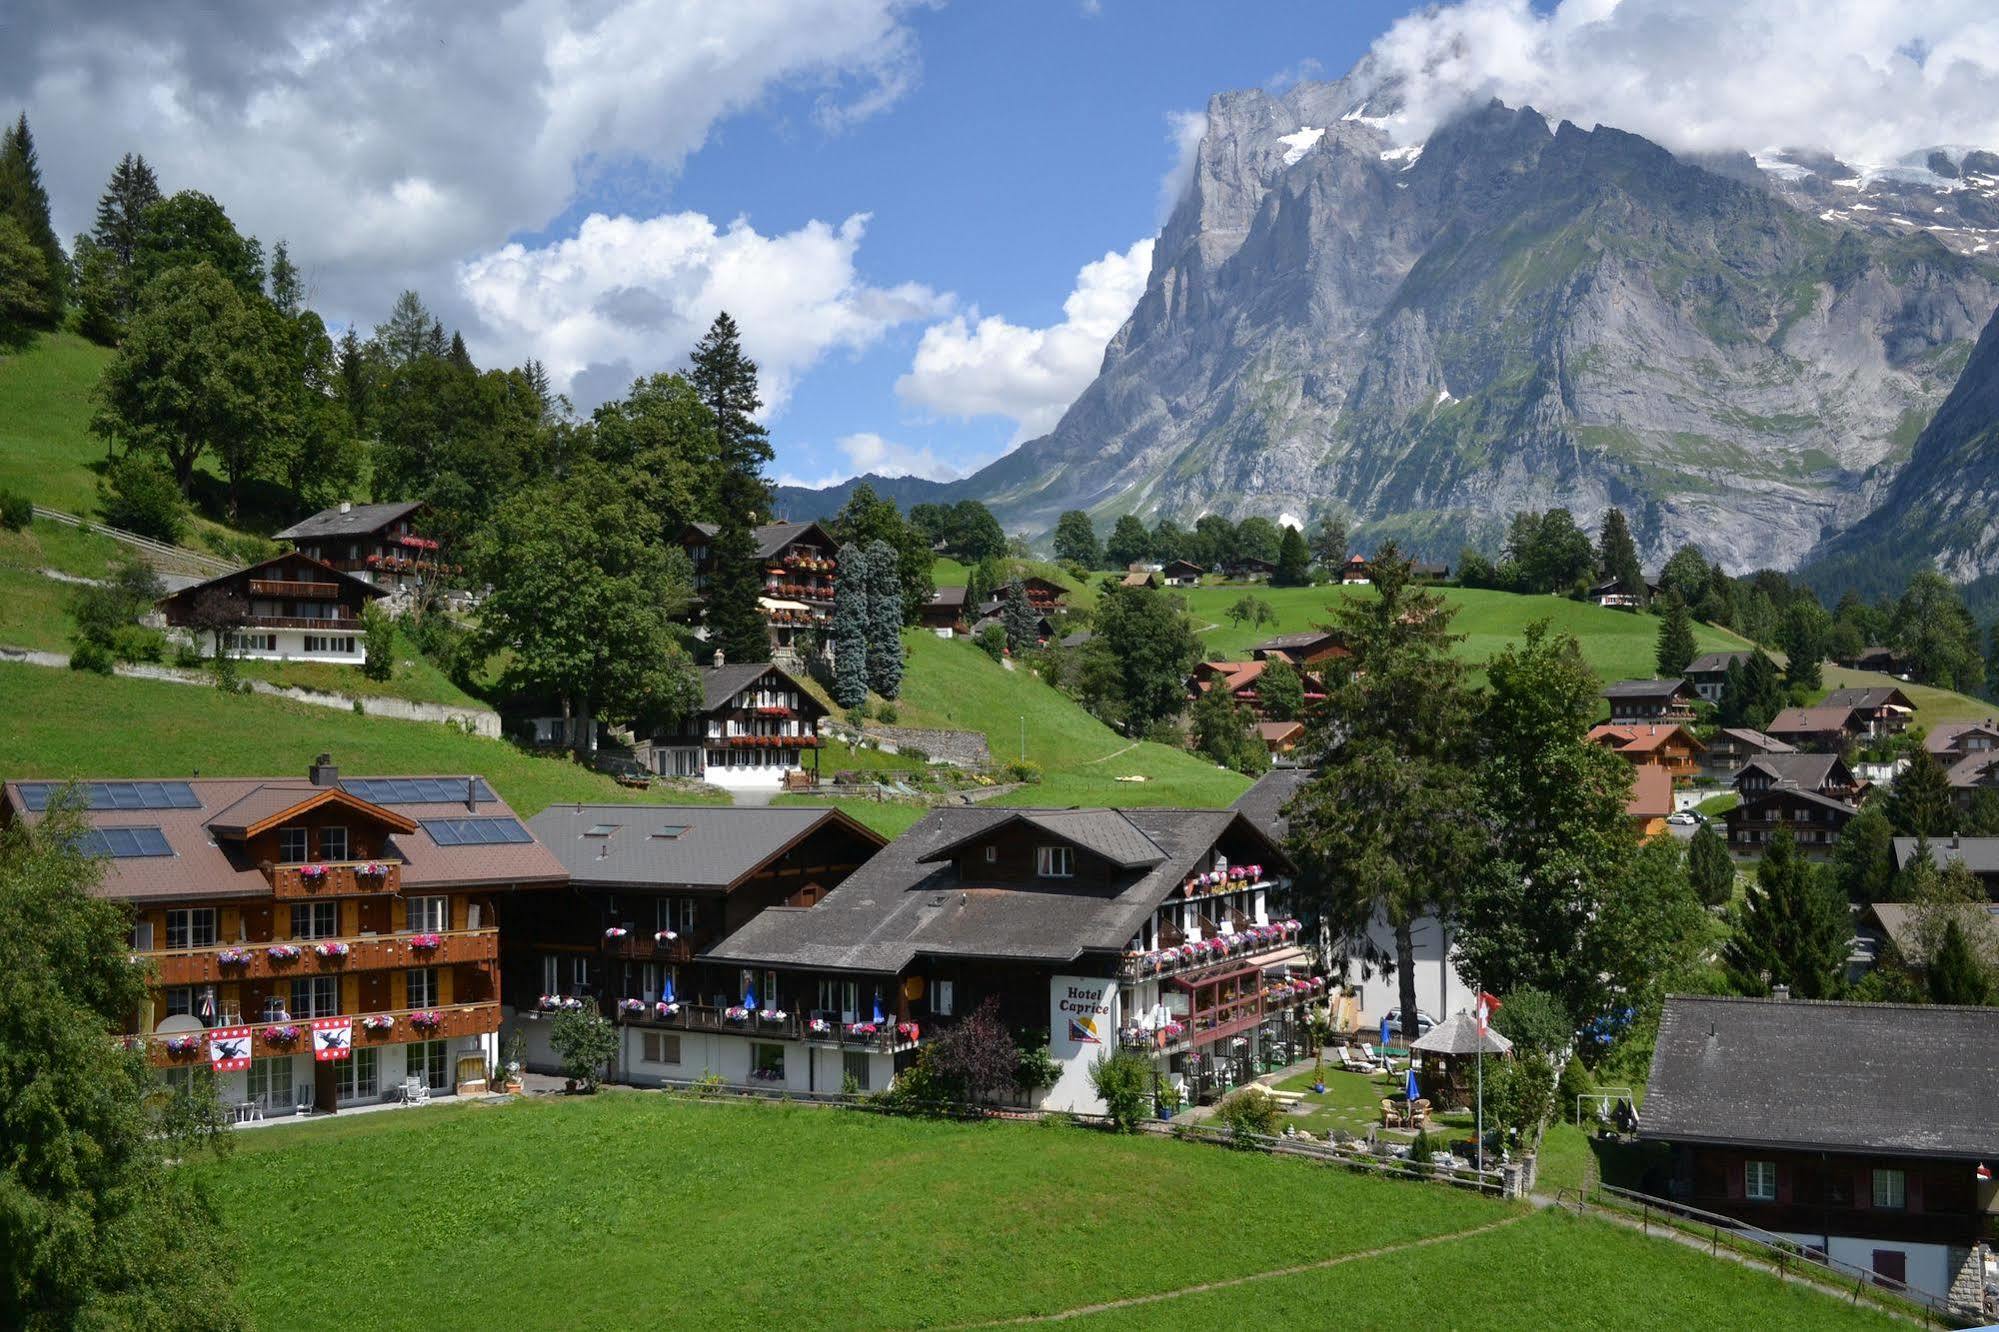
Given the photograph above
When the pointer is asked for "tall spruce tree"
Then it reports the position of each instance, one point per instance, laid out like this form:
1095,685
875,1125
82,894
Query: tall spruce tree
1863,861
726,381
1710,871
1676,637
884,620
1919,803
850,629
1017,614
23,199
1617,556
106,291
1956,974
1329,544
1793,930
1294,561
121,209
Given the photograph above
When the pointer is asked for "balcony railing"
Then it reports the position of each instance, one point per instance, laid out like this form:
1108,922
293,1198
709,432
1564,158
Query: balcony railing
298,590
294,1035
364,952
884,1038
345,625
1256,941
642,946
1230,1018
339,878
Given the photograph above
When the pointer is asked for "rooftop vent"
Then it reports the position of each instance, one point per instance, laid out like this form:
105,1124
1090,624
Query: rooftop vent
718,659
471,793
346,506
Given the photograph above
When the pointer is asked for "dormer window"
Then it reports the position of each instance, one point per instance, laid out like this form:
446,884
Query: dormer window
292,846
1055,862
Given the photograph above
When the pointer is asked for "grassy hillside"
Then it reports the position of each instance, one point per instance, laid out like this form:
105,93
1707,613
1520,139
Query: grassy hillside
1619,644
65,724
1933,705
46,448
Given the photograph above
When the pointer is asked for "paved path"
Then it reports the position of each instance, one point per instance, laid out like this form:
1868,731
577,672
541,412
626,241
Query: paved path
1158,1297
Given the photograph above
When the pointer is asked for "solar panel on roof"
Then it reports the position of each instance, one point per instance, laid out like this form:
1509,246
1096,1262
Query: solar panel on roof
117,795
475,832
124,843
415,790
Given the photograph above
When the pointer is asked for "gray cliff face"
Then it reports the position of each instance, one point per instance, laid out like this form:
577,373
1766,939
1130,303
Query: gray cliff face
1511,315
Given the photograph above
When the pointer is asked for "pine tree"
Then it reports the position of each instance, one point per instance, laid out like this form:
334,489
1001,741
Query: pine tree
23,199
1018,615
1677,647
1762,692
1955,974
726,381
121,209
850,629
1617,557
1329,544
1294,561
354,388
1864,858
1709,868
1793,929
884,581
402,338
1920,803
458,356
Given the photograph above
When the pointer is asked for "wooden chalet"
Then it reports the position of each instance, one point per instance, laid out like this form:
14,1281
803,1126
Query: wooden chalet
1310,647
799,563
1823,729
1045,594
1816,821
1733,746
944,613
1951,741
1650,701
380,543
1139,578
287,608
1878,710
1817,1121
1826,774
1357,570
1248,569
315,942
1182,573
755,728
1651,800
1881,660
1621,595
1666,745
1708,673
1241,679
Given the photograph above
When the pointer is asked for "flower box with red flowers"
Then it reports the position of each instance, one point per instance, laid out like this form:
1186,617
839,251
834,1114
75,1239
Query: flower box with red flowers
182,1047
282,953
233,957
631,1007
281,1036
424,943
331,952
428,1019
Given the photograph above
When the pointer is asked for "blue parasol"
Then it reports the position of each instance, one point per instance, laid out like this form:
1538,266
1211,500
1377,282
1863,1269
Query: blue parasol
668,996
749,996
879,1019
1384,1030
1411,1087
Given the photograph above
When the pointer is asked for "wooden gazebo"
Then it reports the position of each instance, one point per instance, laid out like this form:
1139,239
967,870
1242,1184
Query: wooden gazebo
1446,1054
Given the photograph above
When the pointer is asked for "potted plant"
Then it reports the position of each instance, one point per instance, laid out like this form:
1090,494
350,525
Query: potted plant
424,943
516,1054
331,951
281,954
378,1024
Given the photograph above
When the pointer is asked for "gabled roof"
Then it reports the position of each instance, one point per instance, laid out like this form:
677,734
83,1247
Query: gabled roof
676,846
1870,696
904,903
322,571
1811,721
263,808
1304,639
1898,921
1905,1079
1644,737
1651,792
771,538
1779,793
1174,567
1279,732
356,520
1652,689
1769,744
1972,769
1105,833
1139,578
948,596
721,683
1807,772
1263,803
1944,736
1714,663
1979,854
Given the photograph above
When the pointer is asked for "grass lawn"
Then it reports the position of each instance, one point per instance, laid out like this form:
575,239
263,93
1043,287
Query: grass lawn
631,1207
1933,705
890,818
1619,644
34,611
415,678
47,545
950,683
1716,806
46,448
66,724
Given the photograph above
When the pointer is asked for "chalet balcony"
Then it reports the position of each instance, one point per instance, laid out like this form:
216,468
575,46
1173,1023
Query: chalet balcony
342,625
1232,1016
392,1027
1175,958
286,958
765,1024
642,946
761,741
294,590
344,878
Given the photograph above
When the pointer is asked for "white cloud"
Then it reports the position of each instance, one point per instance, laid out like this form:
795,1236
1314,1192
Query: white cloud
385,141
1184,130
868,452
1869,79
968,366
626,295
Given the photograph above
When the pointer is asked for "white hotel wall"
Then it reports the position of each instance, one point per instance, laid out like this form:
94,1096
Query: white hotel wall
233,1088
807,1068
1929,1269
1440,991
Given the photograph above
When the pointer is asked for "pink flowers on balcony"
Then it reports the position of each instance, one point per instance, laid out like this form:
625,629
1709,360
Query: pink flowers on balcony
736,1013
664,936
282,953
556,1003
863,1029
233,957
909,1031
665,1008
424,943
773,1015
615,932
631,1007
374,869
428,1019
378,1022
819,1027
312,875
286,1035
331,952
180,1047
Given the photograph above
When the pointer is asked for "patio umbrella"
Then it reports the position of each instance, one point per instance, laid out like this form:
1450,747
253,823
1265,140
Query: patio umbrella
878,1019
1411,1087
749,996
1384,1029
668,994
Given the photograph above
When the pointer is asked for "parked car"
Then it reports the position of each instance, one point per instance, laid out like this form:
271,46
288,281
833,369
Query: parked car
1685,818
1423,1024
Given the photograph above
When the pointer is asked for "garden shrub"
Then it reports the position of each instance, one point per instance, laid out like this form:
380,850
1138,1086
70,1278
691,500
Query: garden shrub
1124,1084
1248,1110
16,511
140,496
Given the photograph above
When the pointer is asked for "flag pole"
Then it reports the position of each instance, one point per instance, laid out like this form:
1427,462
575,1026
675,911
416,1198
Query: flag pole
1481,1103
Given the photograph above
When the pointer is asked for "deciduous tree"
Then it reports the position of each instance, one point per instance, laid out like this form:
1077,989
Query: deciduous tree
1075,540
1129,542
1136,662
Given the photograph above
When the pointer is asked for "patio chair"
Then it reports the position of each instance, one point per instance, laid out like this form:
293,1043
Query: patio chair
304,1103
1381,1058
415,1091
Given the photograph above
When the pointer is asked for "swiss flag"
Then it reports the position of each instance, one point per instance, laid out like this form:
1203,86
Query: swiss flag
332,1038
1483,1011
1984,1173
229,1048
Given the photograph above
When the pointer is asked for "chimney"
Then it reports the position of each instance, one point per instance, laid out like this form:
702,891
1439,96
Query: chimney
718,659
346,506
471,793
322,772
1780,992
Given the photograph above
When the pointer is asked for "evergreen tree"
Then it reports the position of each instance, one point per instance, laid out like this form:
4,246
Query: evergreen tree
1329,544
1863,861
121,210
1129,542
726,381
1804,632
1793,929
1281,691
354,387
1294,561
1076,540
287,286
884,620
850,629
1955,974
1920,803
1709,870
24,304
403,336
458,356
1617,557
1017,613
1677,647
1753,692
23,199
867,518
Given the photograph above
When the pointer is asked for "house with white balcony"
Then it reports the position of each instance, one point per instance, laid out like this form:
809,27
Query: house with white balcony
756,728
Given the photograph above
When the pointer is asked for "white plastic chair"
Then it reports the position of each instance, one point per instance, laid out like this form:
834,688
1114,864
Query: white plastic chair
304,1102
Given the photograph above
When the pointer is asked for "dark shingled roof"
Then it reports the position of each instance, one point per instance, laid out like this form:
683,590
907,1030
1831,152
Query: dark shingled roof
948,596
1715,662
1872,696
1906,1079
716,845
721,683
773,537
903,904
1807,772
1103,832
1979,854
1260,803
1645,688
359,520
1769,744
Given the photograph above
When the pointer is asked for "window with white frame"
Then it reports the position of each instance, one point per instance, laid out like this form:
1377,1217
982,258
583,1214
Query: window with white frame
1055,862
315,996
767,1062
992,855
142,936
343,643
941,997
580,976
422,987
660,1047
359,1076
1890,1189
551,975
190,927
292,848
430,915
178,1001
1759,1181
333,844
840,999
271,1081
315,920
